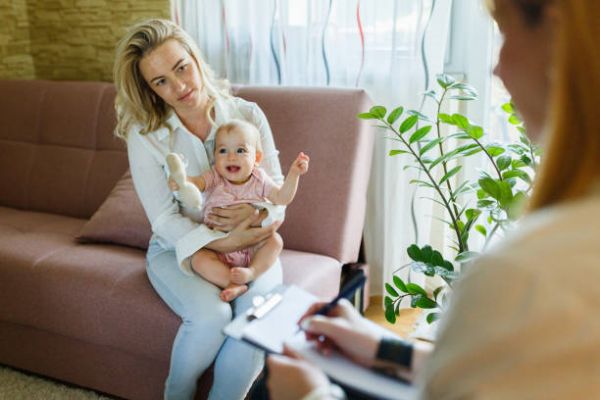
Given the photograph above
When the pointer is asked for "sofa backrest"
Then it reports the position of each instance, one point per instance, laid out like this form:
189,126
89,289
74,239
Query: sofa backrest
58,155
57,151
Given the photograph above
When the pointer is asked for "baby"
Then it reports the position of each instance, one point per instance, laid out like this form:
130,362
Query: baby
237,178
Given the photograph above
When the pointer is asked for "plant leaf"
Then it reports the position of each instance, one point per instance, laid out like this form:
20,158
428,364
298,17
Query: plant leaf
408,123
494,150
462,97
474,131
425,302
390,315
431,144
396,152
508,108
490,186
432,317
421,183
461,121
450,174
464,86
445,118
445,80
414,289
481,229
378,111
419,134
503,162
394,115
399,283
414,252
391,290
366,115
466,256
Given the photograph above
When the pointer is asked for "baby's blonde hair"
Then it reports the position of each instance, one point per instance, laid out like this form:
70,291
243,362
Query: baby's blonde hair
242,126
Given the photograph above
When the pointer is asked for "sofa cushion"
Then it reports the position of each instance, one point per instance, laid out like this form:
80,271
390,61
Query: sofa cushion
315,273
120,219
99,293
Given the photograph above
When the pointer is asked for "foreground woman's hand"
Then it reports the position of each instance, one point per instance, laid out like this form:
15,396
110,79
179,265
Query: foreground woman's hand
292,378
343,329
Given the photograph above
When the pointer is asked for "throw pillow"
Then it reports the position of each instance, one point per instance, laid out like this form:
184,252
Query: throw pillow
121,219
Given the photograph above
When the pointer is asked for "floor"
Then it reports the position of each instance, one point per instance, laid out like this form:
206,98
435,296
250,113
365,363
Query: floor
405,323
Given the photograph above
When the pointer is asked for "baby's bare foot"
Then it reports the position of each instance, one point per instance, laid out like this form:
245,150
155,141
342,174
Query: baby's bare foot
240,275
232,292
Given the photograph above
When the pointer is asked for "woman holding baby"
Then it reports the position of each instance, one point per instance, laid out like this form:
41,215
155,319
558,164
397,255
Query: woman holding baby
168,101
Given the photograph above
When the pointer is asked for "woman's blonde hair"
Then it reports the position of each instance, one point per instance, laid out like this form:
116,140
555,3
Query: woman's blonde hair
136,102
571,159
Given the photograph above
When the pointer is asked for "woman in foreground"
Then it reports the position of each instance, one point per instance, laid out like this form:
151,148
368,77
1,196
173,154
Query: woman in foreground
522,322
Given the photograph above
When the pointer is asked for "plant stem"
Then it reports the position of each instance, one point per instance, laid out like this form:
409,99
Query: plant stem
533,164
461,245
441,147
491,235
490,157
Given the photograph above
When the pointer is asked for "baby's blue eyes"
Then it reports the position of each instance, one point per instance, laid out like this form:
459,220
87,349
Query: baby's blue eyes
240,150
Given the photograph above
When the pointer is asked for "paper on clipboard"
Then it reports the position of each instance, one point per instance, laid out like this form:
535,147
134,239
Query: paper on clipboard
271,331
279,326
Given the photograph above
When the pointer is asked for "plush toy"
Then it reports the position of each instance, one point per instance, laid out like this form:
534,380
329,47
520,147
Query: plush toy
189,195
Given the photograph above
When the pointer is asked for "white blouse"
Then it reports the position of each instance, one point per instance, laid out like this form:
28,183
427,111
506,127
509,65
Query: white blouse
175,226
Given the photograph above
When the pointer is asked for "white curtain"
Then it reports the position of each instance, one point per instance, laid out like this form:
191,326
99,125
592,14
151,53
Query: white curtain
391,48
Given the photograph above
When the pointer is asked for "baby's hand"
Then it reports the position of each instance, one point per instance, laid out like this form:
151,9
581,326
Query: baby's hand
300,164
173,186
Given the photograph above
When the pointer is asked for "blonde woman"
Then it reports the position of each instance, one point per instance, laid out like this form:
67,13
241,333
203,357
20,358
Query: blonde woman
169,101
523,321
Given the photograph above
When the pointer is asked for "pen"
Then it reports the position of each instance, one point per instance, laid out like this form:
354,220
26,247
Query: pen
349,288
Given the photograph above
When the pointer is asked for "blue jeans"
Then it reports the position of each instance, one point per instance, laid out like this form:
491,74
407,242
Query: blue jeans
199,339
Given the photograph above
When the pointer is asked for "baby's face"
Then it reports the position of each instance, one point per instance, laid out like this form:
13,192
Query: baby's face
235,155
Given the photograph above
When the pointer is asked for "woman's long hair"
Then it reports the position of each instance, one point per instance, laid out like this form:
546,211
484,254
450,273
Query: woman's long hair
136,102
571,160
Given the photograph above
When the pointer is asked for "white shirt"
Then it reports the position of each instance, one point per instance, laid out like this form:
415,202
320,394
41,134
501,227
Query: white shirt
523,321
174,226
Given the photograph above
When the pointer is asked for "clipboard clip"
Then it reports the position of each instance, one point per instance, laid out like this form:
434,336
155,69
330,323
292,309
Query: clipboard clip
263,305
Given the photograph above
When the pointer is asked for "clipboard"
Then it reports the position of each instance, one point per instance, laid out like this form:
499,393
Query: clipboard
272,321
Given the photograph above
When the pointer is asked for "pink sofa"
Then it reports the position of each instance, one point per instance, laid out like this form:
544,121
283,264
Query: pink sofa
85,313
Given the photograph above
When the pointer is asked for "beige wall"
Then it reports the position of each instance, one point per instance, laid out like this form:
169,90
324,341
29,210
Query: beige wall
69,39
15,50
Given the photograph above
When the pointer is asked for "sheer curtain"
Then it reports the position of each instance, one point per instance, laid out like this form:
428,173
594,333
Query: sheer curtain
391,48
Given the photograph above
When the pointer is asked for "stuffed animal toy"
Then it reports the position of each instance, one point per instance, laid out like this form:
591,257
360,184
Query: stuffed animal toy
189,195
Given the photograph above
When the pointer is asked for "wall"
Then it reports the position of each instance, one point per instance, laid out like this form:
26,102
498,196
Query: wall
16,60
68,39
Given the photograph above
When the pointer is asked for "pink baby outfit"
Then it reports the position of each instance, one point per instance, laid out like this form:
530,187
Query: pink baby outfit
220,192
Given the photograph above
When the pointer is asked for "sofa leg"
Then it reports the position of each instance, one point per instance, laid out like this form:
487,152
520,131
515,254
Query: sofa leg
361,297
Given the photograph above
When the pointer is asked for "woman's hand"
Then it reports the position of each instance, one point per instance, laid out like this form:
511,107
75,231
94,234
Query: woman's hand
292,378
343,329
225,219
244,235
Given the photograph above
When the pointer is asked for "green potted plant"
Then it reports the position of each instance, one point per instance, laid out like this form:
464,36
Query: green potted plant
437,146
